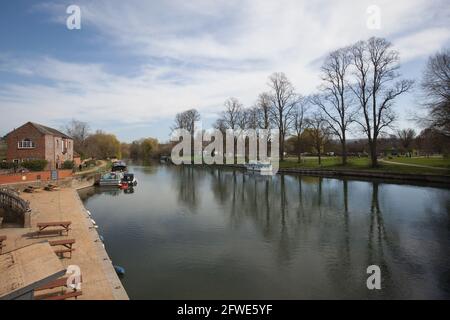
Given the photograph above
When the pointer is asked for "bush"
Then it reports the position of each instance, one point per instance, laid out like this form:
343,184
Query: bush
7,165
68,164
91,163
34,165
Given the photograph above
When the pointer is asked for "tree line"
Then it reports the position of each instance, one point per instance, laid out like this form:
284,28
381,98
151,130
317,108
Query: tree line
102,145
359,86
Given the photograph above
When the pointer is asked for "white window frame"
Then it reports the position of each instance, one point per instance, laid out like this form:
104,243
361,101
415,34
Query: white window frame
26,144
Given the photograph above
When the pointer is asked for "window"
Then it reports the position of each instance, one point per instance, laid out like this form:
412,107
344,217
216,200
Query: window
26,144
64,146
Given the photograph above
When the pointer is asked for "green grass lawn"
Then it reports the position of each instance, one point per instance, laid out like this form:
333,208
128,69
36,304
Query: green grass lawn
364,164
423,161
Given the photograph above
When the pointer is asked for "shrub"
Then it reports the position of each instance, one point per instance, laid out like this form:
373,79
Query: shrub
91,163
68,164
7,165
34,165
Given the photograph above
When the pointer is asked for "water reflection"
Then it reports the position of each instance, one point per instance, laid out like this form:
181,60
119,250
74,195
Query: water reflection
280,237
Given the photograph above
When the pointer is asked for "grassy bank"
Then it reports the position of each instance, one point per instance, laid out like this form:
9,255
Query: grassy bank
395,165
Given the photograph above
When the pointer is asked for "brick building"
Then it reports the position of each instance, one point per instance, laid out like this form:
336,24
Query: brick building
33,141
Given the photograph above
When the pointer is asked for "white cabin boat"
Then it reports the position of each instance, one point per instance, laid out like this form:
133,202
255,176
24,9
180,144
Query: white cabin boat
111,179
263,168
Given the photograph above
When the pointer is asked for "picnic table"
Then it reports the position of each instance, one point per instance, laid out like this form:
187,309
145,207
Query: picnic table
61,282
65,225
2,238
51,187
67,244
62,295
32,189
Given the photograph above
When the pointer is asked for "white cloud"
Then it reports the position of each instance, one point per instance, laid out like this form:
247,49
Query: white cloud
221,49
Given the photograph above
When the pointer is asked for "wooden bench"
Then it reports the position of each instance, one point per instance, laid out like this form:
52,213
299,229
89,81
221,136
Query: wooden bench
2,238
59,296
51,187
62,282
32,189
64,225
67,244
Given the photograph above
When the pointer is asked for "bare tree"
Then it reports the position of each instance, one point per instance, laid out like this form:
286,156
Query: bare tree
284,100
253,118
264,104
186,120
79,131
243,118
231,118
299,125
220,125
335,98
376,65
436,86
406,138
319,133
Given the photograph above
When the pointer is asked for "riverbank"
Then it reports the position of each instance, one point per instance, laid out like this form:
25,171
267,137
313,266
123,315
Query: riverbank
100,281
382,174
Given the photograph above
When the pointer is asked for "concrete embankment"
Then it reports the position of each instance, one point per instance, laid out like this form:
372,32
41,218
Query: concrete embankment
100,281
384,176
365,174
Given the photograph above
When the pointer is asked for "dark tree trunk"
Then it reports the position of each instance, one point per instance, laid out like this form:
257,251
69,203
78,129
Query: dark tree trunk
344,153
373,154
281,147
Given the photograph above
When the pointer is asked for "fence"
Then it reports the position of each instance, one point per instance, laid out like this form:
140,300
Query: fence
12,203
35,176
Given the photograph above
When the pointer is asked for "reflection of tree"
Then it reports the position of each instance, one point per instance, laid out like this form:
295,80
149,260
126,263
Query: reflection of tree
346,218
187,178
378,238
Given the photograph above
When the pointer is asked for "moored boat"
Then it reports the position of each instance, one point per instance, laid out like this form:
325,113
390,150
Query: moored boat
264,168
119,166
129,179
111,179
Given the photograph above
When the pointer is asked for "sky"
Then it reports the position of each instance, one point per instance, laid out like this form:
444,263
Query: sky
134,64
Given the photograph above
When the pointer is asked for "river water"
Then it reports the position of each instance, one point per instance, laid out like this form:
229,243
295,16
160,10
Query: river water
196,233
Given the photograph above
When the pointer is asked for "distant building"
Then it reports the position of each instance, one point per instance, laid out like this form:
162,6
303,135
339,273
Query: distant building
33,141
76,159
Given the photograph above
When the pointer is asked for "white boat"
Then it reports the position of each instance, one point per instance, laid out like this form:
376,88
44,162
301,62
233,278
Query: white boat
264,168
111,179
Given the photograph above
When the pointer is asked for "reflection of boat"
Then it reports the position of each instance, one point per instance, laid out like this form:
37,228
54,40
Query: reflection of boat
119,166
164,159
129,179
129,190
264,168
111,179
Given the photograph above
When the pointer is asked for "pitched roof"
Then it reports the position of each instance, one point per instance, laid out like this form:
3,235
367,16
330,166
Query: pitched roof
46,130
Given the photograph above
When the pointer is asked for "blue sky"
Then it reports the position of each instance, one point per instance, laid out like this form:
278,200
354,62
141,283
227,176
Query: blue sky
135,64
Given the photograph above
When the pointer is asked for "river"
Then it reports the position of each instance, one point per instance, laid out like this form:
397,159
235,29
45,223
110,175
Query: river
208,233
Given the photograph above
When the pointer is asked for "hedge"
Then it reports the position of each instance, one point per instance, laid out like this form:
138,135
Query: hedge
34,165
7,165
68,164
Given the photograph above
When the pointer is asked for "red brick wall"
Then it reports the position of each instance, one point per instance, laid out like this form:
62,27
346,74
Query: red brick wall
25,132
33,176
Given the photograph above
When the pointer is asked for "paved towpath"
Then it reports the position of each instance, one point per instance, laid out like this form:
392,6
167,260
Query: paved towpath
99,278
